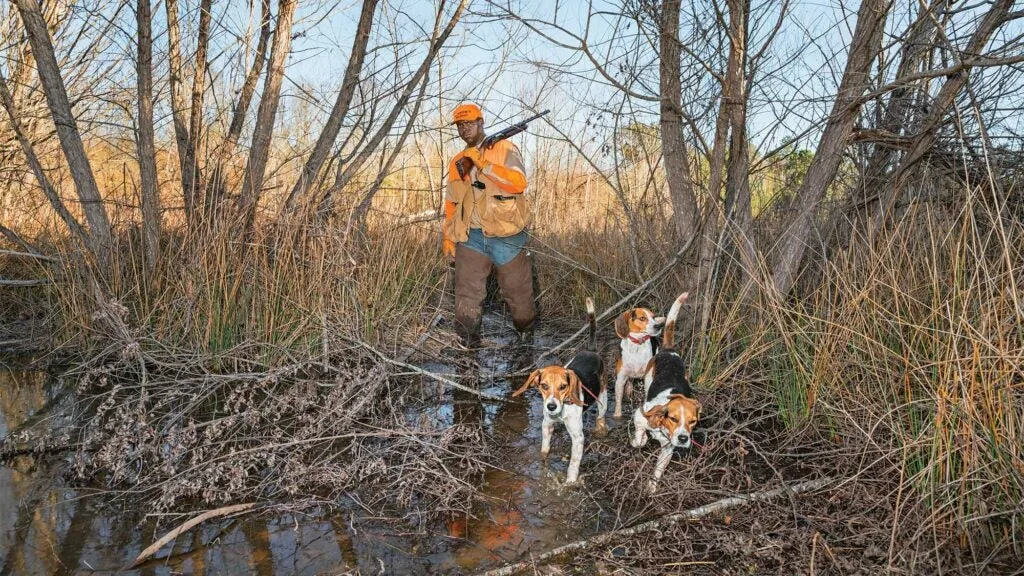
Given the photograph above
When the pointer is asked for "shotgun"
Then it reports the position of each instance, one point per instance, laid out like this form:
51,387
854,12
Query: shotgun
493,139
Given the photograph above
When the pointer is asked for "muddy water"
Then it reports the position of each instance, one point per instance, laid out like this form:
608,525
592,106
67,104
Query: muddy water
46,527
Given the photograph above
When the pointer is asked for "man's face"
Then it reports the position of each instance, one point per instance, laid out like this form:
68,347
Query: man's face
471,130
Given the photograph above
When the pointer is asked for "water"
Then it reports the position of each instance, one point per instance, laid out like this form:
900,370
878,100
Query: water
46,527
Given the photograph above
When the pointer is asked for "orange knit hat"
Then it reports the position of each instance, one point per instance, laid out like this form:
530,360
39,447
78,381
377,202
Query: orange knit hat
465,112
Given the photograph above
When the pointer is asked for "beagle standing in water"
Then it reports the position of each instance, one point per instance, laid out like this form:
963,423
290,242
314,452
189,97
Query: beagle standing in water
638,330
670,411
568,392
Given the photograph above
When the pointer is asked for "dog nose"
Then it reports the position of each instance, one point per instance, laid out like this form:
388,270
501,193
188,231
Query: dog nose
552,406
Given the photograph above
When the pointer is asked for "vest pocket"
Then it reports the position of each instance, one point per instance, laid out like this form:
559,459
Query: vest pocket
503,215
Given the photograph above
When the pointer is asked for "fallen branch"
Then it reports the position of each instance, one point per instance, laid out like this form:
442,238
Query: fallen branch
658,524
23,283
156,546
17,254
428,374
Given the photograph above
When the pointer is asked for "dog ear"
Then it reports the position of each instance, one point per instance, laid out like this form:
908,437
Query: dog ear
575,389
655,416
531,381
622,324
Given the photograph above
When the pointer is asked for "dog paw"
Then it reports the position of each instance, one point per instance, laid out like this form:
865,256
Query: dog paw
601,429
636,444
652,487
617,415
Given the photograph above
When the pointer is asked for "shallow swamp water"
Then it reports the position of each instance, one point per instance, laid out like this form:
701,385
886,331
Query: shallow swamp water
49,527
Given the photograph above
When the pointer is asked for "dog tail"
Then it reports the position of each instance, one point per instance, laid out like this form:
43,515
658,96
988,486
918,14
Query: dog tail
592,319
668,336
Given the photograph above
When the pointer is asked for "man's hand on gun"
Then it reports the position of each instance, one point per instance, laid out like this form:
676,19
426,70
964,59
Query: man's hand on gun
468,158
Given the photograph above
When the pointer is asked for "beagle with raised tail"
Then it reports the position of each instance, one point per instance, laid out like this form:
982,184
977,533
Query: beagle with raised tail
567,392
638,331
670,412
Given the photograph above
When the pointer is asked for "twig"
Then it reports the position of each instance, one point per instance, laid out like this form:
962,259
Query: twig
28,255
188,525
611,309
23,283
659,523
428,374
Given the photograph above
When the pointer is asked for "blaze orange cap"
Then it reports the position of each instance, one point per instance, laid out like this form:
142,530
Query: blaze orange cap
465,112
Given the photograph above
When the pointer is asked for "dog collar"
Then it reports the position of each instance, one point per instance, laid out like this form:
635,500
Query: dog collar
640,340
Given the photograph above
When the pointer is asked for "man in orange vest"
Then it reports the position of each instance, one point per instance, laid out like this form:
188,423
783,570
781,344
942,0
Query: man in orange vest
485,218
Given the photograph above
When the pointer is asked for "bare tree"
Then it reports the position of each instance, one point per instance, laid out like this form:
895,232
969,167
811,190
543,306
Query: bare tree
677,158
215,183
191,174
924,141
436,43
145,138
329,134
178,103
37,168
252,183
67,129
864,47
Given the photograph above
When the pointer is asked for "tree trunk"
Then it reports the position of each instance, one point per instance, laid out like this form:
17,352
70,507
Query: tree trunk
677,158
737,194
192,176
864,47
924,142
37,168
145,138
344,176
252,184
67,130
178,103
215,182
341,106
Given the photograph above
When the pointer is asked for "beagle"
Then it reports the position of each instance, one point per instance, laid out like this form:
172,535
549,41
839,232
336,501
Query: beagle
638,330
670,412
568,392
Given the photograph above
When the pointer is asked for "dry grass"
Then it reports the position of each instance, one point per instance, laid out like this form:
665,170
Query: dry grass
897,361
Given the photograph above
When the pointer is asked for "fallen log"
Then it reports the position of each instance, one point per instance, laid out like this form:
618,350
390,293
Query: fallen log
657,524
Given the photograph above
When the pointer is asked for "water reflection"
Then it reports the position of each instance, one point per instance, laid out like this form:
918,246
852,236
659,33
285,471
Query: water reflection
47,527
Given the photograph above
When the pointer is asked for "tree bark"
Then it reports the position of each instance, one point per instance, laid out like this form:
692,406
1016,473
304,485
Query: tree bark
864,47
67,130
329,134
677,159
345,175
252,184
145,138
215,183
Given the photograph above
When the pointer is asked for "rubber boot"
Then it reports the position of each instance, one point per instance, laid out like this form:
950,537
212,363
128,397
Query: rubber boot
516,281
471,271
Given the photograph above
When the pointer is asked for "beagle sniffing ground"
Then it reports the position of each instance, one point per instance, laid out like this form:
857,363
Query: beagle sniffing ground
670,412
638,331
567,392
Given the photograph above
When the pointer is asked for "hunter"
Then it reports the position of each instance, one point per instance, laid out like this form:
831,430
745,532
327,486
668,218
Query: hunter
485,217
